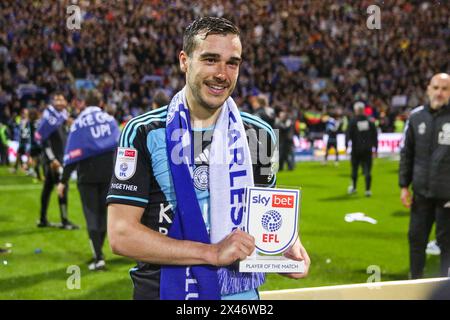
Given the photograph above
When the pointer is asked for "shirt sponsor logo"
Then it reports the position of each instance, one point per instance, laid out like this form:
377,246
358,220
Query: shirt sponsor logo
75,153
126,187
126,161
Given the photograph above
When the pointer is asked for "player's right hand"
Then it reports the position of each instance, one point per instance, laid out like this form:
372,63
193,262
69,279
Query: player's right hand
55,165
238,245
405,197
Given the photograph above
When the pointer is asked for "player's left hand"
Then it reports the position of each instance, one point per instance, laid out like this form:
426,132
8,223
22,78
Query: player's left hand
60,188
297,252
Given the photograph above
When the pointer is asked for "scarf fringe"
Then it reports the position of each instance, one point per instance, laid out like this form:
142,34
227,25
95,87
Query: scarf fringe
233,281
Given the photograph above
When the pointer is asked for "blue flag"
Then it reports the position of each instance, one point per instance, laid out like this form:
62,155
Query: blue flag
51,120
94,132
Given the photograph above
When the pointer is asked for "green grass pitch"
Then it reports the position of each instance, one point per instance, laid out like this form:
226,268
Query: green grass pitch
341,252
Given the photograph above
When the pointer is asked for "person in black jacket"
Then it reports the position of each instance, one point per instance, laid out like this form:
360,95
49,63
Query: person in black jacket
35,148
285,125
53,153
94,176
363,135
24,137
425,163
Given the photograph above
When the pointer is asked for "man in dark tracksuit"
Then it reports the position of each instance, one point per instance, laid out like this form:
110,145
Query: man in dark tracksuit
425,163
363,135
53,154
285,125
94,177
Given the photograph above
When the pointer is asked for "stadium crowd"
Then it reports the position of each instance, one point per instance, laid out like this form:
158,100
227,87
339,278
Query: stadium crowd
308,57
306,64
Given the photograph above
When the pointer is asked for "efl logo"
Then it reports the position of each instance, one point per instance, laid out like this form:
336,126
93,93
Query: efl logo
270,237
281,201
130,153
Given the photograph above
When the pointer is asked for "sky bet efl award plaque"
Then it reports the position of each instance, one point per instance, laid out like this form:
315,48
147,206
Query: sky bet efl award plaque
272,218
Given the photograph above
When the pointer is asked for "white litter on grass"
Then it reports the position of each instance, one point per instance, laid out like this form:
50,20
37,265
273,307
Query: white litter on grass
8,245
328,261
359,216
5,262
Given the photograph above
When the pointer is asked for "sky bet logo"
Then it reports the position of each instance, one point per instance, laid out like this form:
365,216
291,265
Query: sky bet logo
278,200
127,153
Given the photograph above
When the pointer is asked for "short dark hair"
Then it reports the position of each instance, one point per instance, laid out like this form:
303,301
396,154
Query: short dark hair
57,93
160,99
93,98
207,25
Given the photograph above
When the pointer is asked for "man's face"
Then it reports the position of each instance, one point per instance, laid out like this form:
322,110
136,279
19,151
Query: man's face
212,69
59,102
438,91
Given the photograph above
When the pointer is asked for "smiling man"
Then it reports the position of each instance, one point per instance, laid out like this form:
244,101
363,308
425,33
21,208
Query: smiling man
182,171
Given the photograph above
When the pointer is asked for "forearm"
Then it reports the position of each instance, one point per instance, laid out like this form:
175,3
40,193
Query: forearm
48,151
67,171
139,242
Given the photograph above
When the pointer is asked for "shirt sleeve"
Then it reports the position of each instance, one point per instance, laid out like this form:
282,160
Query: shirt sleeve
67,172
406,156
130,182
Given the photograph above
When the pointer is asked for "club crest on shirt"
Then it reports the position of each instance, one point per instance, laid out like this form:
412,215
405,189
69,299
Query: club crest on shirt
170,114
126,161
362,125
444,135
201,177
422,128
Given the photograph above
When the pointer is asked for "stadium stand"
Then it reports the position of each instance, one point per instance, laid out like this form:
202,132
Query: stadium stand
310,56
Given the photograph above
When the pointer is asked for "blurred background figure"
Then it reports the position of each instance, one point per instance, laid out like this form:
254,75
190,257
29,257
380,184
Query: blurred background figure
262,109
34,162
90,151
52,134
425,164
332,128
4,138
363,135
286,129
160,99
24,138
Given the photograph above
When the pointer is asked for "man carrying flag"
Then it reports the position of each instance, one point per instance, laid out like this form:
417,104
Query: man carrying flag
90,149
52,135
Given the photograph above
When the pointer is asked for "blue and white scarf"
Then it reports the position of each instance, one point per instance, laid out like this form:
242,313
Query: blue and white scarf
51,120
230,171
93,132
